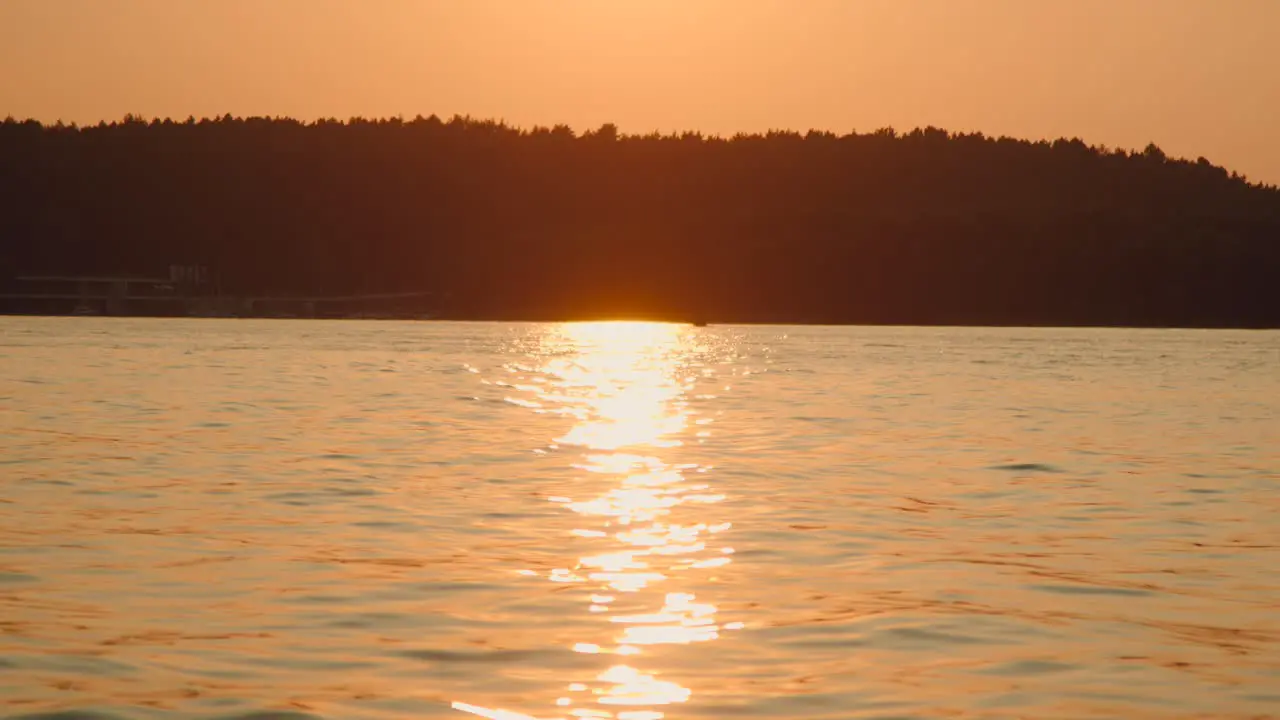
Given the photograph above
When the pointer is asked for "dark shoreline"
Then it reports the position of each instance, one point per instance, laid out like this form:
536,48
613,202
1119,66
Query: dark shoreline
470,218
709,324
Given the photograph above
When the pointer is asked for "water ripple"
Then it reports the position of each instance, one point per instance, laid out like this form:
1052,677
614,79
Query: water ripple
383,520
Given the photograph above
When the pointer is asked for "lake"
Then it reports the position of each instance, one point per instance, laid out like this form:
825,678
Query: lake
313,519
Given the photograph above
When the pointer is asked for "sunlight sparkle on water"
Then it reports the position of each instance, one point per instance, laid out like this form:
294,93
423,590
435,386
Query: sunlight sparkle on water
645,529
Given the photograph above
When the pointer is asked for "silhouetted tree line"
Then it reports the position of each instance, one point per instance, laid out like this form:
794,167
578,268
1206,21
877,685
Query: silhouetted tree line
543,223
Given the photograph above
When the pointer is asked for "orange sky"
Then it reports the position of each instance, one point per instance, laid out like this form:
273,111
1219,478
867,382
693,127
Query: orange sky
1199,77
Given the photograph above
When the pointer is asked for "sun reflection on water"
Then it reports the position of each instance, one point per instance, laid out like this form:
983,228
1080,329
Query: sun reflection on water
645,529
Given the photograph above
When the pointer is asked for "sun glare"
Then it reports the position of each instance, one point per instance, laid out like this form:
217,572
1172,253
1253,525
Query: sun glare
628,369
646,521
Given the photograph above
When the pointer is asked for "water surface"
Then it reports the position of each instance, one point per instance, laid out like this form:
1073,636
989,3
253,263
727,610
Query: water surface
233,519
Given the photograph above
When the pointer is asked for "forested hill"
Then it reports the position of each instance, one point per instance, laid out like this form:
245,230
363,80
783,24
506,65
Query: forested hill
924,227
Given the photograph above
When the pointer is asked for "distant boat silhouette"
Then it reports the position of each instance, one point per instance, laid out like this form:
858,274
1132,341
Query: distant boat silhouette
699,323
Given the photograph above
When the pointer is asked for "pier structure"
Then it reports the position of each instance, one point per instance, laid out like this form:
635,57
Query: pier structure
188,292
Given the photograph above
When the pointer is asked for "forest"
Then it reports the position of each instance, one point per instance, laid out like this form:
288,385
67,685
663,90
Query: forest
508,223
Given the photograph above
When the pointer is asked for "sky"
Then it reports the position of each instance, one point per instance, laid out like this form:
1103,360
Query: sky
1197,77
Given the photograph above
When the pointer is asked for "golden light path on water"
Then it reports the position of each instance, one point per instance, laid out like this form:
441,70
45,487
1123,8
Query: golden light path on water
627,388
